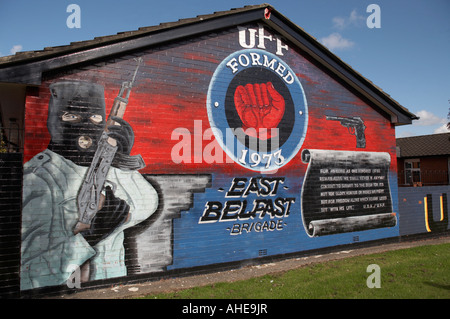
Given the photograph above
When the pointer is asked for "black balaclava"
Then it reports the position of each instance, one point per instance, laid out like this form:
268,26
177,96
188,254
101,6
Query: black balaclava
76,119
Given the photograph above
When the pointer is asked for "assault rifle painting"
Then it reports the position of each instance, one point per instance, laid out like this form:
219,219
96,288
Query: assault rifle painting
87,188
90,198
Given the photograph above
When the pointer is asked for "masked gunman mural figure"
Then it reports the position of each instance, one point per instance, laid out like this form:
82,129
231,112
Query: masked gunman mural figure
53,243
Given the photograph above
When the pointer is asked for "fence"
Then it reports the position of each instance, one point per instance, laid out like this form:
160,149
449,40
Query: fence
11,139
10,223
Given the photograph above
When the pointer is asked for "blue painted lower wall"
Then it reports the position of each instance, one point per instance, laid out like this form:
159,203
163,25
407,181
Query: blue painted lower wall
415,203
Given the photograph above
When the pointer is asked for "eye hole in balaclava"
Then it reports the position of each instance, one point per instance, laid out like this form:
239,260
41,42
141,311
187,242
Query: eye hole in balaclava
76,119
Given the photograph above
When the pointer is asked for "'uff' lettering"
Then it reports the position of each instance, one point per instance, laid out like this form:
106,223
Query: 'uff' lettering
247,39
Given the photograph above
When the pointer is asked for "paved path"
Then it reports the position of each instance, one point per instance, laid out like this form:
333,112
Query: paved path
174,284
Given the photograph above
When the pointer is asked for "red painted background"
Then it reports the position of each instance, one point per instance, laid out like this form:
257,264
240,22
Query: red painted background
170,92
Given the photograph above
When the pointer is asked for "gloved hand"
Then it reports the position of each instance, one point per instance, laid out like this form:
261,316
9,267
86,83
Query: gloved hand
259,106
113,213
123,134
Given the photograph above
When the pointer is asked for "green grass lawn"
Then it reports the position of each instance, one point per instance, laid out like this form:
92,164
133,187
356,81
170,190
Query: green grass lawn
420,272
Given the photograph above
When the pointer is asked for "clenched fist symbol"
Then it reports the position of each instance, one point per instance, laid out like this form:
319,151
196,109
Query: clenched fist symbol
259,106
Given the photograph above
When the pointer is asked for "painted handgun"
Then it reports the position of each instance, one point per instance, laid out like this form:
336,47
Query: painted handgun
355,126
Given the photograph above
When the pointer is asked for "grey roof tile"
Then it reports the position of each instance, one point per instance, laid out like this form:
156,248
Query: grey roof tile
424,145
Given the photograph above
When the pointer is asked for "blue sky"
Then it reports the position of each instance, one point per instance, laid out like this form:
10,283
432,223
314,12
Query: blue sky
408,57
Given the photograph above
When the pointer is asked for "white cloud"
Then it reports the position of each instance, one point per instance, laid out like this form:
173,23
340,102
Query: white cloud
441,129
16,48
335,41
339,22
428,119
354,19
429,123
404,134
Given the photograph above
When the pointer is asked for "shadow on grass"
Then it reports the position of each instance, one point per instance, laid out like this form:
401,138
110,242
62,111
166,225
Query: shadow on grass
433,284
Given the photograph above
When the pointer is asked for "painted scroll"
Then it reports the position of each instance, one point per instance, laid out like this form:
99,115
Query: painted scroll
346,191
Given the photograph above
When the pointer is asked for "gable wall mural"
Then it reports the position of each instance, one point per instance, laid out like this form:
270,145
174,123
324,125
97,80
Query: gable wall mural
220,148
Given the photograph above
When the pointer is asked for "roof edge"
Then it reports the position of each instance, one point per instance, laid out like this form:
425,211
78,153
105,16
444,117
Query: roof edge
342,69
23,57
28,69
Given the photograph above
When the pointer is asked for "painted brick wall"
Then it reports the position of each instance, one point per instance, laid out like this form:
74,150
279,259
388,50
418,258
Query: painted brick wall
423,209
198,201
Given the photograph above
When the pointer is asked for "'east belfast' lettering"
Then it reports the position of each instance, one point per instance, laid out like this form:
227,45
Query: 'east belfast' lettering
237,210
248,199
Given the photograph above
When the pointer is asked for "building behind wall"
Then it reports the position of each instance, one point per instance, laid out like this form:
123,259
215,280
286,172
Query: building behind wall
243,137
424,160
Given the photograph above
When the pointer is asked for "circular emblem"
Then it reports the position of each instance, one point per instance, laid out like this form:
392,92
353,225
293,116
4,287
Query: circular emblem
257,110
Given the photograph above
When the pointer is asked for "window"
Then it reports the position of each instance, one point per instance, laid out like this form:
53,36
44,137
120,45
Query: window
412,172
